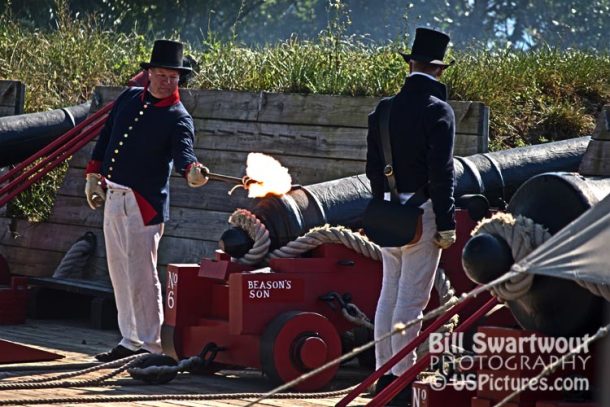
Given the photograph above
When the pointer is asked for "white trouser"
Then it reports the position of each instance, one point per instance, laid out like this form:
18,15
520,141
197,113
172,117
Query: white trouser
408,277
131,250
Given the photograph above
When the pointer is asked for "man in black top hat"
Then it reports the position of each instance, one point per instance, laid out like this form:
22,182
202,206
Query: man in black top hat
148,132
422,131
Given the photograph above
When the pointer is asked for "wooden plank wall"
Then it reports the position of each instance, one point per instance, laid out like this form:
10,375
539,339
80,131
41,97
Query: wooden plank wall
316,137
12,97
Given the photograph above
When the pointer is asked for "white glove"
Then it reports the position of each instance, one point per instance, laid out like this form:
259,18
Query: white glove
94,191
197,175
444,239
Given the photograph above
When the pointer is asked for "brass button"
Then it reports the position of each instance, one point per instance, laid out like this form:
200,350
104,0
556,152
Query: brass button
112,159
125,135
130,128
141,112
109,176
120,143
116,151
136,119
110,169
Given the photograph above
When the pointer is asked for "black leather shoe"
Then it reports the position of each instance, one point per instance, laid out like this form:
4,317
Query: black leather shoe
383,382
118,352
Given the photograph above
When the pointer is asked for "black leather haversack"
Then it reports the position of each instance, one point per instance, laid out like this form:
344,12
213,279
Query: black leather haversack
390,224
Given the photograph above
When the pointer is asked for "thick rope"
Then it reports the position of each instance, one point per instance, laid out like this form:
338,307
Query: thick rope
329,234
76,258
56,381
523,235
550,368
358,243
257,231
162,397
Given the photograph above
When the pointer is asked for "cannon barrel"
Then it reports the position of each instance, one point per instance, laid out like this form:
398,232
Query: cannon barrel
24,134
497,175
553,306
342,201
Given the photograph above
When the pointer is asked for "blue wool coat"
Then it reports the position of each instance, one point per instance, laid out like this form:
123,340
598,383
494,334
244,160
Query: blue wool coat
422,133
138,145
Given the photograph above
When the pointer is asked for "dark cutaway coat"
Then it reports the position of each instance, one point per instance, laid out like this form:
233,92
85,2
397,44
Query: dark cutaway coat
422,133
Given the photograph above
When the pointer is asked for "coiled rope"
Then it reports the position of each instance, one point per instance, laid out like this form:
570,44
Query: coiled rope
522,235
246,220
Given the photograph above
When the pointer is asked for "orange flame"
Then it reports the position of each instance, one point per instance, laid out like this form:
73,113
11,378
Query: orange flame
269,175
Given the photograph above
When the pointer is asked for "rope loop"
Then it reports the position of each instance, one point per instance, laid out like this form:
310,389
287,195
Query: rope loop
246,220
522,235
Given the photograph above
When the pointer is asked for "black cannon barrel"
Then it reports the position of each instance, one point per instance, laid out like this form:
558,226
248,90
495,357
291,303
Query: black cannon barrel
337,202
497,175
553,306
23,135
342,202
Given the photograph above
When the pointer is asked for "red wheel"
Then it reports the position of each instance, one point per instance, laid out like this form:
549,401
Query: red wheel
297,342
5,275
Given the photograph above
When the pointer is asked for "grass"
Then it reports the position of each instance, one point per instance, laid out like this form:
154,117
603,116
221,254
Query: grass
535,96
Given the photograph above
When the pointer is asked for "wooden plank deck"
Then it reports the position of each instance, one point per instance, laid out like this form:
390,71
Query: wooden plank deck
78,343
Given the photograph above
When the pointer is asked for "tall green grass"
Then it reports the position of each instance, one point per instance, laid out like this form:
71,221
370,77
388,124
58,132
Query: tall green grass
535,96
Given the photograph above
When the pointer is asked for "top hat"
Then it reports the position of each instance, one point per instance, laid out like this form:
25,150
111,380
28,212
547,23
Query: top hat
166,54
429,46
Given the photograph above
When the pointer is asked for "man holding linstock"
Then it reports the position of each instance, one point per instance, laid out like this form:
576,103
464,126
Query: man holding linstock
421,133
148,130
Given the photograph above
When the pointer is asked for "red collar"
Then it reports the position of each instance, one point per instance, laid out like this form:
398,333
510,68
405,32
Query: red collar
171,100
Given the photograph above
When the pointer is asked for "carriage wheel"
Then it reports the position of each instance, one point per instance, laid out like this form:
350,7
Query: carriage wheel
297,342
